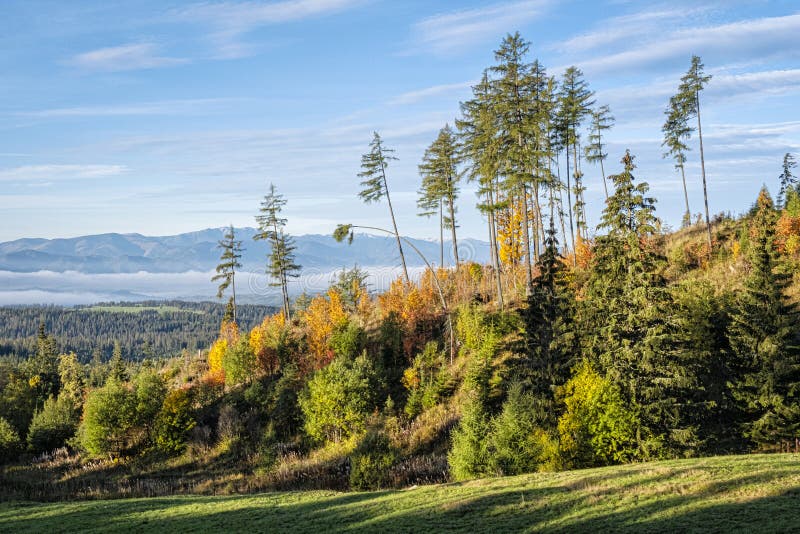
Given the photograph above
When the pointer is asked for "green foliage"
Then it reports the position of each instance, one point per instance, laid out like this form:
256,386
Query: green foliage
514,440
118,371
598,427
348,339
10,444
72,377
150,392
109,418
469,455
763,337
53,425
174,421
338,399
239,362
371,461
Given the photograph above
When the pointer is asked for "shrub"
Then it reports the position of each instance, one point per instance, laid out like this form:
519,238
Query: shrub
370,464
109,417
238,363
597,427
469,455
10,444
150,393
53,425
515,448
338,399
174,421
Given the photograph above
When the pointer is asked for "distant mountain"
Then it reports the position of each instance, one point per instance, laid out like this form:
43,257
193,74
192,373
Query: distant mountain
197,251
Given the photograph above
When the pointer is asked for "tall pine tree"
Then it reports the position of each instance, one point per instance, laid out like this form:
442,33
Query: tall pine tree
228,263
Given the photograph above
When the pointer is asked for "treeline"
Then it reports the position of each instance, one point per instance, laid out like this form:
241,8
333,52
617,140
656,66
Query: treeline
154,329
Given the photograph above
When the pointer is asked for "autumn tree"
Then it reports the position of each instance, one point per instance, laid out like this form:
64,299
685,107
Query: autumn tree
375,186
440,178
280,262
228,263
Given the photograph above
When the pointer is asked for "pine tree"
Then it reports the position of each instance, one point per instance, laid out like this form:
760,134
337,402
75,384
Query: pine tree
116,365
513,106
575,105
676,130
602,120
477,131
625,315
228,263
763,337
787,179
440,178
374,184
280,262
688,96
548,325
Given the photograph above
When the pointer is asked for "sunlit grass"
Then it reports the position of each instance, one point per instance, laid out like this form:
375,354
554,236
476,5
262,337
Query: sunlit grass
757,493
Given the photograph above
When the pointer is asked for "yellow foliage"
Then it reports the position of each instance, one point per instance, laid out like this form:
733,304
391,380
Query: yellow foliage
509,233
411,378
323,315
264,340
787,234
215,354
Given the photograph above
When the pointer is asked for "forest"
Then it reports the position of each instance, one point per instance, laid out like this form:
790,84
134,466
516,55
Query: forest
574,348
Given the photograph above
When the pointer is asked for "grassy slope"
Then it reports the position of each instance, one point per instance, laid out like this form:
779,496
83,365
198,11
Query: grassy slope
722,494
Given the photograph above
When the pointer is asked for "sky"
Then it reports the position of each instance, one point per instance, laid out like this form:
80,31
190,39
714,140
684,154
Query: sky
163,116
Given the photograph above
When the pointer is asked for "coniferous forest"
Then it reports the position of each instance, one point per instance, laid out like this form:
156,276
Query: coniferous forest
576,347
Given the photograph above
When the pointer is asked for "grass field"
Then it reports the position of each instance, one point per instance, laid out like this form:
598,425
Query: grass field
758,493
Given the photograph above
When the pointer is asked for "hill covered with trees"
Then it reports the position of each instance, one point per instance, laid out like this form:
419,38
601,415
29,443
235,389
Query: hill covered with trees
573,349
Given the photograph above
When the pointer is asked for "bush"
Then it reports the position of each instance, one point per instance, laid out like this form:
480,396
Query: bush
370,464
238,362
513,440
53,425
10,444
109,418
174,421
150,393
338,399
469,455
597,428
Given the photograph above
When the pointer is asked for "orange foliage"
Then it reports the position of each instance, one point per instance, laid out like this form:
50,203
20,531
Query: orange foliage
228,335
583,253
787,234
323,315
264,340
417,308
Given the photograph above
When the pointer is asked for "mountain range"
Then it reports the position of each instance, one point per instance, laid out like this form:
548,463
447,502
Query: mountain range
198,251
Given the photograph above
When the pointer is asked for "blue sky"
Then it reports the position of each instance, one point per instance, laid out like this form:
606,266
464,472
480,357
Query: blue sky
160,117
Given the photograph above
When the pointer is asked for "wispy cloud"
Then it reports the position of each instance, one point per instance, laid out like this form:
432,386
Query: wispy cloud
163,107
59,172
448,32
230,20
772,36
133,56
412,97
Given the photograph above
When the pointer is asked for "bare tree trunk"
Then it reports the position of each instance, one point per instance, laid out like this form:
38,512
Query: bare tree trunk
441,234
561,207
703,171
603,173
394,225
688,215
526,223
233,286
493,243
453,230
569,210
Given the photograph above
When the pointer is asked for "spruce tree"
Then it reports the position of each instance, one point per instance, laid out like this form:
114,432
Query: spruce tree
280,261
692,83
676,130
375,187
440,178
117,369
548,328
228,263
788,180
625,315
764,340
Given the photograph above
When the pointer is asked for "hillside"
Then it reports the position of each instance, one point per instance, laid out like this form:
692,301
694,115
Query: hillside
757,493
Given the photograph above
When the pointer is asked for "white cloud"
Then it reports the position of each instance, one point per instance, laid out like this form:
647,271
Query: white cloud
60,172
164,107
126,57
759,38
449,32
412,97
230,20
